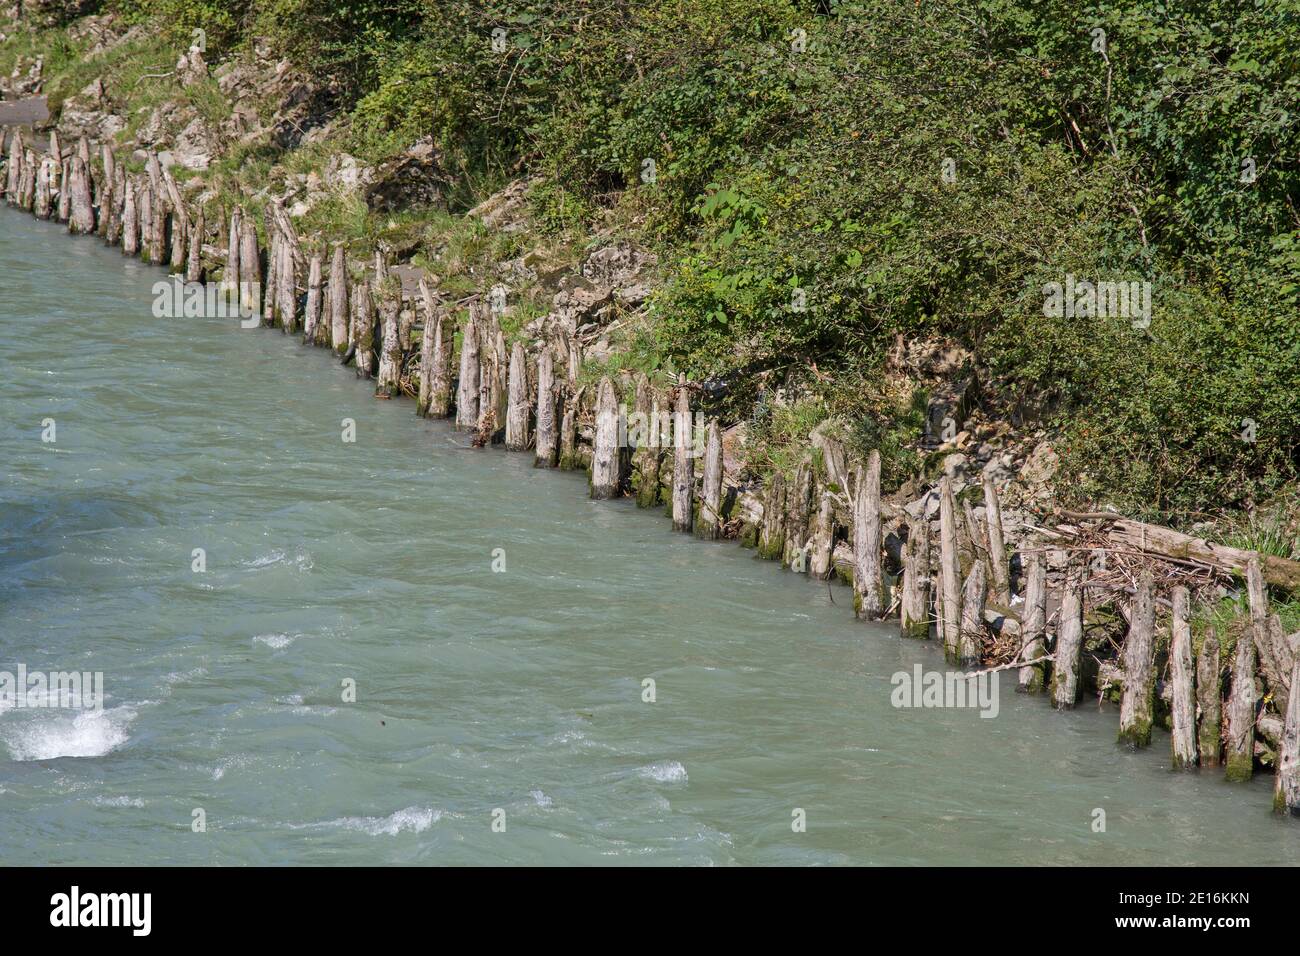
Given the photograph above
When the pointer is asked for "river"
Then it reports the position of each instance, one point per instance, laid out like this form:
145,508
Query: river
498,714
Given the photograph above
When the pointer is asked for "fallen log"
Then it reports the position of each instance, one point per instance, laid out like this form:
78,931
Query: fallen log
1279,572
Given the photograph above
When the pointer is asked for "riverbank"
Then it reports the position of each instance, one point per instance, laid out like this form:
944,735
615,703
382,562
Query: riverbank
520,690
540,371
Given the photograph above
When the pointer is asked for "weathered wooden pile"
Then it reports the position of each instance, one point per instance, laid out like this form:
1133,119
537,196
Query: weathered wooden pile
827,520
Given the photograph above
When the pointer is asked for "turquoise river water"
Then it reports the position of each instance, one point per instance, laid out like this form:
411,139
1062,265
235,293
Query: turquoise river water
481,696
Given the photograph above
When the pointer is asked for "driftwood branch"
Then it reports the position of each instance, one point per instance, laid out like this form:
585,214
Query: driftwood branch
1174,545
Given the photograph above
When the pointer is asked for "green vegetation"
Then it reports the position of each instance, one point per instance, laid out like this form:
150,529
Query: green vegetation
821,178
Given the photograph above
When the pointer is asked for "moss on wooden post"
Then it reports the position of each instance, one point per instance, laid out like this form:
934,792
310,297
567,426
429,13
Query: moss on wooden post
771,535
914,611
1240,749
708,524
1209,700
1286,797
1138,697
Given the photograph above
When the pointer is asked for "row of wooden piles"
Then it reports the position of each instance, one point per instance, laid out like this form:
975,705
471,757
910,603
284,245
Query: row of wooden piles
827,520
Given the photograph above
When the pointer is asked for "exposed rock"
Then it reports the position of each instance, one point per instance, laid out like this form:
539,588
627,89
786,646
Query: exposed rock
194,147
505,210
414,178
955,466
90,113
191,68
344,172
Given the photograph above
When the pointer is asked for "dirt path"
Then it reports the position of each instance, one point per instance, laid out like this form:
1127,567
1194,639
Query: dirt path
24,112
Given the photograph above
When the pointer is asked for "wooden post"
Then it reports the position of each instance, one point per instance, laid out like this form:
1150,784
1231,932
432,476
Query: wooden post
1069,644
1287,793
145,201
974,596
949,570
1183,739
771,537
969,538
798,505
435,368
467,387
1136,701
158,210
569,430
286,284
312,313
547,436
131,228
180,221
708,524
271,295
821,543
914,612
936,587
60,175
28,187
390,350
649,453
1209,699
1034,623
605,451
107,199
519,407
998,564
230,274
113,221
1274,671
405,320
338,289
426,350
250,268
500,380
1284,657
867,602
683,463
14,169
42,201
1241,712
440,393
492,378
194,263
130,221
363,328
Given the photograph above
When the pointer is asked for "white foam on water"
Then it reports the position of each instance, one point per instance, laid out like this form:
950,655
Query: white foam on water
226,763
300,560
118,802
177,677
666,771
541,799
47,735
307,710
276,641
414,819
